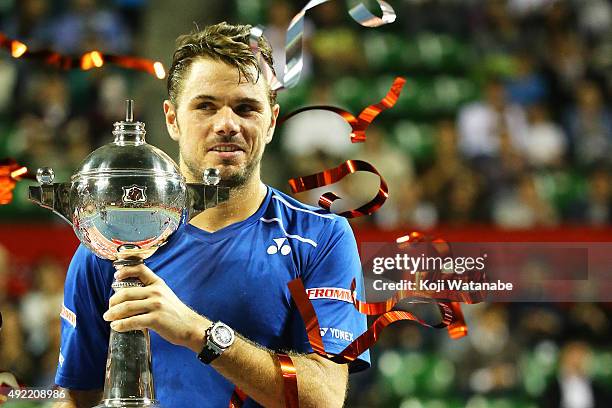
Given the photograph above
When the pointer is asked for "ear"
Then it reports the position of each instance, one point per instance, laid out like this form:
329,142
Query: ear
275,112
171,121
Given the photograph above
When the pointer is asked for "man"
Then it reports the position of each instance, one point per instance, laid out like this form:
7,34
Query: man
230,264
574,386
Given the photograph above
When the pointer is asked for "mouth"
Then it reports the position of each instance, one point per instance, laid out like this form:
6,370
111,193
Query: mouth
226,150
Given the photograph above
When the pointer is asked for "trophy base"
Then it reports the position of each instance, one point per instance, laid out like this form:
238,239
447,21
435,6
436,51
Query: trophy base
128,403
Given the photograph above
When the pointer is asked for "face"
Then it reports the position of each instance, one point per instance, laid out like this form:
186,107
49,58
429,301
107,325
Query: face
221,123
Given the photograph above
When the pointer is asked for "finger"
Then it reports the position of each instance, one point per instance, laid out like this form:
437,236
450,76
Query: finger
141,272
138,322
128,309
126,294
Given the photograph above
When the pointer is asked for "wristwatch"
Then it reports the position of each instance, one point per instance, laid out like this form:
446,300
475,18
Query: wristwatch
218,338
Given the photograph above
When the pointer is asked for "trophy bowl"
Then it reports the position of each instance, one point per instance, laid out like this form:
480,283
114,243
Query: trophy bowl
127,196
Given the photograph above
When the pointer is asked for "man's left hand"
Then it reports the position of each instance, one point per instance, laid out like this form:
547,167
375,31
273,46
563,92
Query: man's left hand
156,307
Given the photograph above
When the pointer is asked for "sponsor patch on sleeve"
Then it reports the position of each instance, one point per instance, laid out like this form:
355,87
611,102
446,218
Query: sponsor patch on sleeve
337,334
341,294
68,315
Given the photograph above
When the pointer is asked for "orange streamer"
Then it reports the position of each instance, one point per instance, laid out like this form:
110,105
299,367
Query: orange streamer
237,399
86,61
8,168
369,337
331,176
290,384
360,123
458,328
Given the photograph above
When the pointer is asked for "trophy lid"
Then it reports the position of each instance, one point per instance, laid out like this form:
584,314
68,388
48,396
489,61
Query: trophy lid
129,153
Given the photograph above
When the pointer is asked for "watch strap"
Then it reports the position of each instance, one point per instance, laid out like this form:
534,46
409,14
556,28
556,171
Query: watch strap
208,354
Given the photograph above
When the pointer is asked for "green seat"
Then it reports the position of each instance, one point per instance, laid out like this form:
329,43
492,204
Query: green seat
416,140
351,93
450,93
384,52
294,98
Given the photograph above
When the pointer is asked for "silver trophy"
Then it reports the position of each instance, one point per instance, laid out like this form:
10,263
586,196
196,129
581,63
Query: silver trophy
124,202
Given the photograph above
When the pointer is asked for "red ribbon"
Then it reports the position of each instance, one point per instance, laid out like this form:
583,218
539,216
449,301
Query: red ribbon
309,316
451,314
331,176
86,61
10,173
237,399
290,385
360,123
458,328
369,337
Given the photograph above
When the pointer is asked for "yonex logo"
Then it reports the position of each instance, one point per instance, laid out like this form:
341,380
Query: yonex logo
336,333
281,245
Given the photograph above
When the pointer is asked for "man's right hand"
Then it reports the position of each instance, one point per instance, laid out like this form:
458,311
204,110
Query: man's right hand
79,399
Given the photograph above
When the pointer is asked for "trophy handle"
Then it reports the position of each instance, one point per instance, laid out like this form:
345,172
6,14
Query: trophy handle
54,196
201,196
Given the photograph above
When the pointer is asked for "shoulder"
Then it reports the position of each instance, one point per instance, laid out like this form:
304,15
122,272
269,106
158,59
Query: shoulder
291,212
83,257
85,266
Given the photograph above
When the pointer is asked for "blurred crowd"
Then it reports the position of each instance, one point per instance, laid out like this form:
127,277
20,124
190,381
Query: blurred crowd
515,356
505,120
50,117
30,302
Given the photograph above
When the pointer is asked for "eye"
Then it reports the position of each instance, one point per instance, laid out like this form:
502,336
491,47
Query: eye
244,108
207,106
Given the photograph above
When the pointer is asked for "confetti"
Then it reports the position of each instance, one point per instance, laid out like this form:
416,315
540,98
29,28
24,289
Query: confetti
331,176
10,173
294,61
358,125
85,62
369,337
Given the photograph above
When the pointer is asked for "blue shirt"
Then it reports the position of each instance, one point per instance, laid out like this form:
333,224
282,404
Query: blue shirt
237,275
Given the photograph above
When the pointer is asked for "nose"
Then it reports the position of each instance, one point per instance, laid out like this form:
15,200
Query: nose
225,122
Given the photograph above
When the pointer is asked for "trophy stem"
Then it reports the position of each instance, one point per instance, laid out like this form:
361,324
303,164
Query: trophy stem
128,379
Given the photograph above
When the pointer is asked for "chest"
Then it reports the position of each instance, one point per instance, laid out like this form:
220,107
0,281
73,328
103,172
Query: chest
240,282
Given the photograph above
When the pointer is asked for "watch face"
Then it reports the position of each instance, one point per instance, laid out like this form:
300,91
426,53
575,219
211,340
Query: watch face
223,336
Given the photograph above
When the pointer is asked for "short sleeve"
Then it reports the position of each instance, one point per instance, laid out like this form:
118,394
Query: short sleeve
327,279
84,334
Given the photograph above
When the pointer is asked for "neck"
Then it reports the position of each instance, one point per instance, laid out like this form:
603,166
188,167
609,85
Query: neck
243,202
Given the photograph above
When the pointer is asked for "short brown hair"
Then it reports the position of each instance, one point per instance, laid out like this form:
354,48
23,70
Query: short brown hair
222,42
